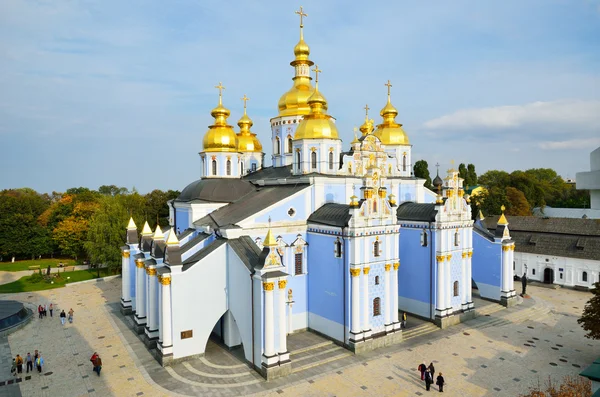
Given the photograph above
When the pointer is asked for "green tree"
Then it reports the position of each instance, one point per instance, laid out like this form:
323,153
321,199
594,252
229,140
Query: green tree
462,172
590,319
471,176
112,190
495,178
421,170
490,202
518,204
157,206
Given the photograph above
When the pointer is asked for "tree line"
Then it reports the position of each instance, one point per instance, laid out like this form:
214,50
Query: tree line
80,223
519,191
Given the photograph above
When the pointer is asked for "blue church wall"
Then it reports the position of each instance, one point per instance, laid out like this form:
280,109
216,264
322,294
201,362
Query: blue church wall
377,291
417,264
279,212
486,266
407,193
325,287
335,193
182,219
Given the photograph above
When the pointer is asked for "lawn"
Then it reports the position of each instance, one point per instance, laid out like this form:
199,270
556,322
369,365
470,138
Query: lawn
42,263
38,283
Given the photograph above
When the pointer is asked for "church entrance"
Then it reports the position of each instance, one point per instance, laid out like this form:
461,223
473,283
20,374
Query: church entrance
548,275
226,336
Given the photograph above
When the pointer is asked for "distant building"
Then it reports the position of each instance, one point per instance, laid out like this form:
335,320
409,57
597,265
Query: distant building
590,180
550,212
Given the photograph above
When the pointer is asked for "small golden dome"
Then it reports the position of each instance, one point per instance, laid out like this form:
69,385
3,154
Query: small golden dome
247,141
367,126
301,51
220,136
390,132
317,124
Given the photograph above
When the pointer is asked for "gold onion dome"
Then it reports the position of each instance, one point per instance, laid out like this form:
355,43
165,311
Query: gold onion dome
317,124
295,101
247,141
367,126
220,136
390,132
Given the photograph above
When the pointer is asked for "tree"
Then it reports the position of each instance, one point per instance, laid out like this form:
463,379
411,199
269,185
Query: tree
157,207
421,170
471,176
571,386
590,319
462,172
518,205
112,190
495,178
490,202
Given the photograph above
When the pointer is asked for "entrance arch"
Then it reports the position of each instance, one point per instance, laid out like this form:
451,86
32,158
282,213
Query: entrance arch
226,332
548,275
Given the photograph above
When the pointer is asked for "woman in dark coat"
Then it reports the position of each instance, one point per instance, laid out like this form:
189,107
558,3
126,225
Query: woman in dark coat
422,368
431,369
428,380
440,382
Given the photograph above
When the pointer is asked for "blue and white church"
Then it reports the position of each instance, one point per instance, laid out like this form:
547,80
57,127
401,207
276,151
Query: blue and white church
337,240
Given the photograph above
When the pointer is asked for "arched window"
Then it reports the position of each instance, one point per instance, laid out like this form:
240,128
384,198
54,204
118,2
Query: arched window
277,145
330,160
376,248
298,160
214,167
289,144
424,238
404,162
374,205
456,238
338,248
242,168
313,159
584,277
298,263
228,167
376,280
376,307
456,288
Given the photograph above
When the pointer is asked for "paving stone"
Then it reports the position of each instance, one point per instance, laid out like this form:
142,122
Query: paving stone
497,389
483,366
91,390
44,387
463,374
279,391
516,379
364,387
554,364
390,377
311,381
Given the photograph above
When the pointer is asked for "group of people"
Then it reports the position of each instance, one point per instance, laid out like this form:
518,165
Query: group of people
63,316
427,374
30,361
43,310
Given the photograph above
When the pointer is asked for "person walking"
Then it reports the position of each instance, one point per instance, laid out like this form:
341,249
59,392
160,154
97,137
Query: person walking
71,315
19,361
39,363
404,320
51,308
45,310
93,360
13,368
440,382
98,365
431,369
428,380
63,317
422,367
40,311
29,362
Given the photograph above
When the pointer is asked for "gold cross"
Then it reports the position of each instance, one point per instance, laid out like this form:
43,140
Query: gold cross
221,88
245,99
317,71
367,110
389,86
302,14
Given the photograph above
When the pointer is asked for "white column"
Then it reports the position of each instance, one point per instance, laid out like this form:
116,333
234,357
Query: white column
469,277
387,303
463,282
511,270
140,290
365,287
160,309
166,327
395,293
282,330
448,280
504,282
355,300
146,295
269,320
440,302
152,299
125,279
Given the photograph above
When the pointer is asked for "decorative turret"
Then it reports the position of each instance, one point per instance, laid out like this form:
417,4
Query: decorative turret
132,235
248,144
173,250
437,185
502,231
158,244
146,242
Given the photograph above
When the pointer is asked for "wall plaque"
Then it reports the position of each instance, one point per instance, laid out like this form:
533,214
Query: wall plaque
186,334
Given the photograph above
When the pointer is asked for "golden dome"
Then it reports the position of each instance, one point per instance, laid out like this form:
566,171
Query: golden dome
247,141
389,132
317,124
220,136
367,126
295,101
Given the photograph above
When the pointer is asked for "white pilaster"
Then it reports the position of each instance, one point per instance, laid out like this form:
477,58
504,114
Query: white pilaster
504,280
365,287
463,282
387,302
469,278
152,299
166,326
395,296
269,350
282,322
448,279
440,293
140,292
355,291
511,270
125,280
160,308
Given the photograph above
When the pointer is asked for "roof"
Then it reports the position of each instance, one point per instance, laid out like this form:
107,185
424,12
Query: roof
219,190
186,233
551,212
247,250
423,212
482,231
190,244
270,173
593,371
204,252
331,214
574,226
248,205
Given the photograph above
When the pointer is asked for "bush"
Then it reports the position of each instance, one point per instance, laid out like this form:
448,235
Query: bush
571,386
35,278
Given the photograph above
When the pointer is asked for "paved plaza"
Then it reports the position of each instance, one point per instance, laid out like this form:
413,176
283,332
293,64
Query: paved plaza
500,353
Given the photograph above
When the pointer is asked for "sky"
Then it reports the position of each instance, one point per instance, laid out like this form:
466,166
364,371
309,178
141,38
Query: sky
103,92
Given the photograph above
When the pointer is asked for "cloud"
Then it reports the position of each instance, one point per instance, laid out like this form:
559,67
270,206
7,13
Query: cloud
570,144
572,113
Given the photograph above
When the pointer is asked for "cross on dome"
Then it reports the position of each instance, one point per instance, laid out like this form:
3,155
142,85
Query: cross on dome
302,14
317,71
245,99
220,87
367,108
389,87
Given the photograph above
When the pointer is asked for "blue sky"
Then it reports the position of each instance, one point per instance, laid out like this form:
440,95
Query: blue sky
97,92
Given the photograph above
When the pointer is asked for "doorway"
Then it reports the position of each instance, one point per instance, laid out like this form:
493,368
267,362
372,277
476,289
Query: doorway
548,275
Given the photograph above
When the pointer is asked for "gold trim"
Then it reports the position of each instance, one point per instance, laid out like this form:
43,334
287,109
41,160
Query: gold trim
354,272
396,266
505,248
366,270
268,286
512,247
388,267
151,271
440,258
448,257
464,254
282,284
125,254
470,254
159,277
165,280
139,263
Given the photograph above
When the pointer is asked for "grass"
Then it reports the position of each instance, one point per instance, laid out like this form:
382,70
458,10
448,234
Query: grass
38,283
42,263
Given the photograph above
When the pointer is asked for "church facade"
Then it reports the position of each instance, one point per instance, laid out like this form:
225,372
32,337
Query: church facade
332,239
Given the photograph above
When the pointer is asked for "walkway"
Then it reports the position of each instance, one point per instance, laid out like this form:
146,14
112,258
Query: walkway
9,277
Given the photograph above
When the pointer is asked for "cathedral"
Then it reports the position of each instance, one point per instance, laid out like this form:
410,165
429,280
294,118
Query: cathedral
334,239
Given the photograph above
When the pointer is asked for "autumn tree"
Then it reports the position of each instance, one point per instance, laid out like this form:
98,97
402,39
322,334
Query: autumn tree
571,386
590,319
421,170
518,205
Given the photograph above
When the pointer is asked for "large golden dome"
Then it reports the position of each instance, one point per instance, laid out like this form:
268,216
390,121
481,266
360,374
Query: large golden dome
220,136
317,124
390,132
247,141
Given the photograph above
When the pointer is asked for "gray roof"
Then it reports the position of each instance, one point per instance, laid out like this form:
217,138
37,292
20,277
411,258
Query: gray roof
219,190
331,214
422,212
248,205
186,233
482,231
575,226
270,173
247,250
187,246
189,262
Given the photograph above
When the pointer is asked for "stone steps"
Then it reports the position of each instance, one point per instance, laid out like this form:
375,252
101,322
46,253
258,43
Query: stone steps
423,329
316,355
488,309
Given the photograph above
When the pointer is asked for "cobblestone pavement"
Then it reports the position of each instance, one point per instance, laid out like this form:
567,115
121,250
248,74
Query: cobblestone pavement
500,353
